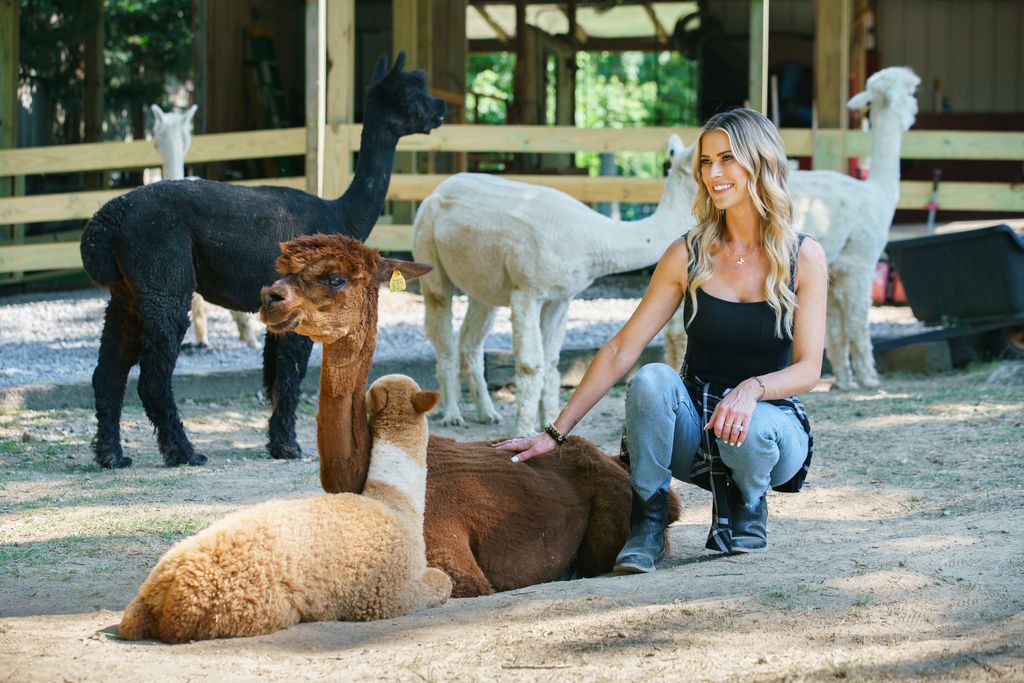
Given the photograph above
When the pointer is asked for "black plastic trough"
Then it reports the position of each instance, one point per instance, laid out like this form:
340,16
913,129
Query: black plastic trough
968,282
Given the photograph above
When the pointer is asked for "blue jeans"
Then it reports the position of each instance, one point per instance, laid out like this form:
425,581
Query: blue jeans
664,431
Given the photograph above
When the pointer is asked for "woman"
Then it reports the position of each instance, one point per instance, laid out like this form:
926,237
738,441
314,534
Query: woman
754,295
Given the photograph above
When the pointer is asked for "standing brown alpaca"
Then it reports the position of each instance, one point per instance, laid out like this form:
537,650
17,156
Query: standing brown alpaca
490,524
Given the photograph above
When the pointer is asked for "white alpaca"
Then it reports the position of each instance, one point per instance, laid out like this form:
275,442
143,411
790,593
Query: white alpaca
531,248
851,219
172,136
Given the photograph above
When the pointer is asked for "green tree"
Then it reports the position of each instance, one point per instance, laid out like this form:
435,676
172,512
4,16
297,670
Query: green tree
489,87
146,43
618,90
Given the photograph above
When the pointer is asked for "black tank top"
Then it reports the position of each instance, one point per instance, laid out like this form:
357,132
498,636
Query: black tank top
730,341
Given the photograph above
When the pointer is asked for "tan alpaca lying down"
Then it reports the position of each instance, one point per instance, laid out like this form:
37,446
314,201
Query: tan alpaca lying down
335,557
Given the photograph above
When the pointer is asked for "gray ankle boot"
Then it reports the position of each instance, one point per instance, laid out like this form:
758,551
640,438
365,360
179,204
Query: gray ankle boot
749,527
646,543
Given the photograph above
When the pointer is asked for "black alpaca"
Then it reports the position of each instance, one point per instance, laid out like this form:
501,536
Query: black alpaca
156,245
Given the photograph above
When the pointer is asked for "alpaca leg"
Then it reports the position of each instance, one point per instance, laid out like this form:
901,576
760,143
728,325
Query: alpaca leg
453,556
474,330
437,322
291,355
857,331
435,588
164,321
835,338
246,333
199,309
553,317
528,349
119,351
675,340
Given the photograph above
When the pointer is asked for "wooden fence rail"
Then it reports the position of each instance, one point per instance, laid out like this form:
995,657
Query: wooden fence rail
404,187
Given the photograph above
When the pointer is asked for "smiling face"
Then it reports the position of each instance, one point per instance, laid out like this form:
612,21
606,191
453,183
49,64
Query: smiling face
722,174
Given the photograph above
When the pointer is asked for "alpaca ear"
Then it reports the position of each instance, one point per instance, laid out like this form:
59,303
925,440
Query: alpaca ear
376,399
190,112
675,146
425,401
410,270
399,63
379,71
158,118
859,101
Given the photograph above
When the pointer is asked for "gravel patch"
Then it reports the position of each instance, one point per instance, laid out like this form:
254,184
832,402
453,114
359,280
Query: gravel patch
54,337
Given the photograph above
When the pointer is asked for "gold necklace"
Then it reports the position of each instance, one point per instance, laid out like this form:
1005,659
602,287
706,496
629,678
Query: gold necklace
740,261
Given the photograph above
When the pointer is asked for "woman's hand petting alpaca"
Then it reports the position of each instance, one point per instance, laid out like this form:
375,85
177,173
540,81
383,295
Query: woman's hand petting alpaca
525,447
731,419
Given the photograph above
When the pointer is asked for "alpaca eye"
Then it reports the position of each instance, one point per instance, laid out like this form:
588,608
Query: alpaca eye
337,281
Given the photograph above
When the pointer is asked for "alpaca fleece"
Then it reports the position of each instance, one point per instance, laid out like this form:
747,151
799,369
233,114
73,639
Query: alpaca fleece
489,523
531,248
155,246
334,557
494,525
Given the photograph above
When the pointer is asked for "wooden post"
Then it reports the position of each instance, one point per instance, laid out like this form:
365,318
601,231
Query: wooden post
9,185
94,71
757,81
200,62
339,104
316,58
520,76
571,76
94,82
831,76
406,35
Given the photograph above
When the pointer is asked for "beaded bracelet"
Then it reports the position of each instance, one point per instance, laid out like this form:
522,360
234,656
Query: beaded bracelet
553,432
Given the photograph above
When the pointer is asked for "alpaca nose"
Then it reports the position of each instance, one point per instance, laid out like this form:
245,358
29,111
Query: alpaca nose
270,296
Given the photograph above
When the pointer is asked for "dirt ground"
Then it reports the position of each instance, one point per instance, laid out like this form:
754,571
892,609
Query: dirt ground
903,558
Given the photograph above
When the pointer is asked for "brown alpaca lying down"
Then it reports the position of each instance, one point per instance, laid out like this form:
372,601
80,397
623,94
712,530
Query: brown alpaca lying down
494,525
334,557
490,524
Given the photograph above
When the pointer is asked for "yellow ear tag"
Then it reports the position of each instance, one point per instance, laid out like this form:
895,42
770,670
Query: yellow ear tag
397,282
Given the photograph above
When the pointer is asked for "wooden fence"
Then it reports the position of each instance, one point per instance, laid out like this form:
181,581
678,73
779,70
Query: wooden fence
60,250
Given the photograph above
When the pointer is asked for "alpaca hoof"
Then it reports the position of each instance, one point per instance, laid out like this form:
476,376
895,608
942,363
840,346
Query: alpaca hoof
108,454
113,461
178,458
449,420
192,348
490,417
869,382
284,451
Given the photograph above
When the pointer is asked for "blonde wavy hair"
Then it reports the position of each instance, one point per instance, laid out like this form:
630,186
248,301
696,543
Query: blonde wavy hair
758,148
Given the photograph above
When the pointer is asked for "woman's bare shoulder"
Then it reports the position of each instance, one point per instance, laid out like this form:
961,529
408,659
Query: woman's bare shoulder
677,250
811,259
811,252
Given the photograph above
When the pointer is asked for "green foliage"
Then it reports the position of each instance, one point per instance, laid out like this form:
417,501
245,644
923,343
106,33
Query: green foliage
146,43
489,87
620,90
613,90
